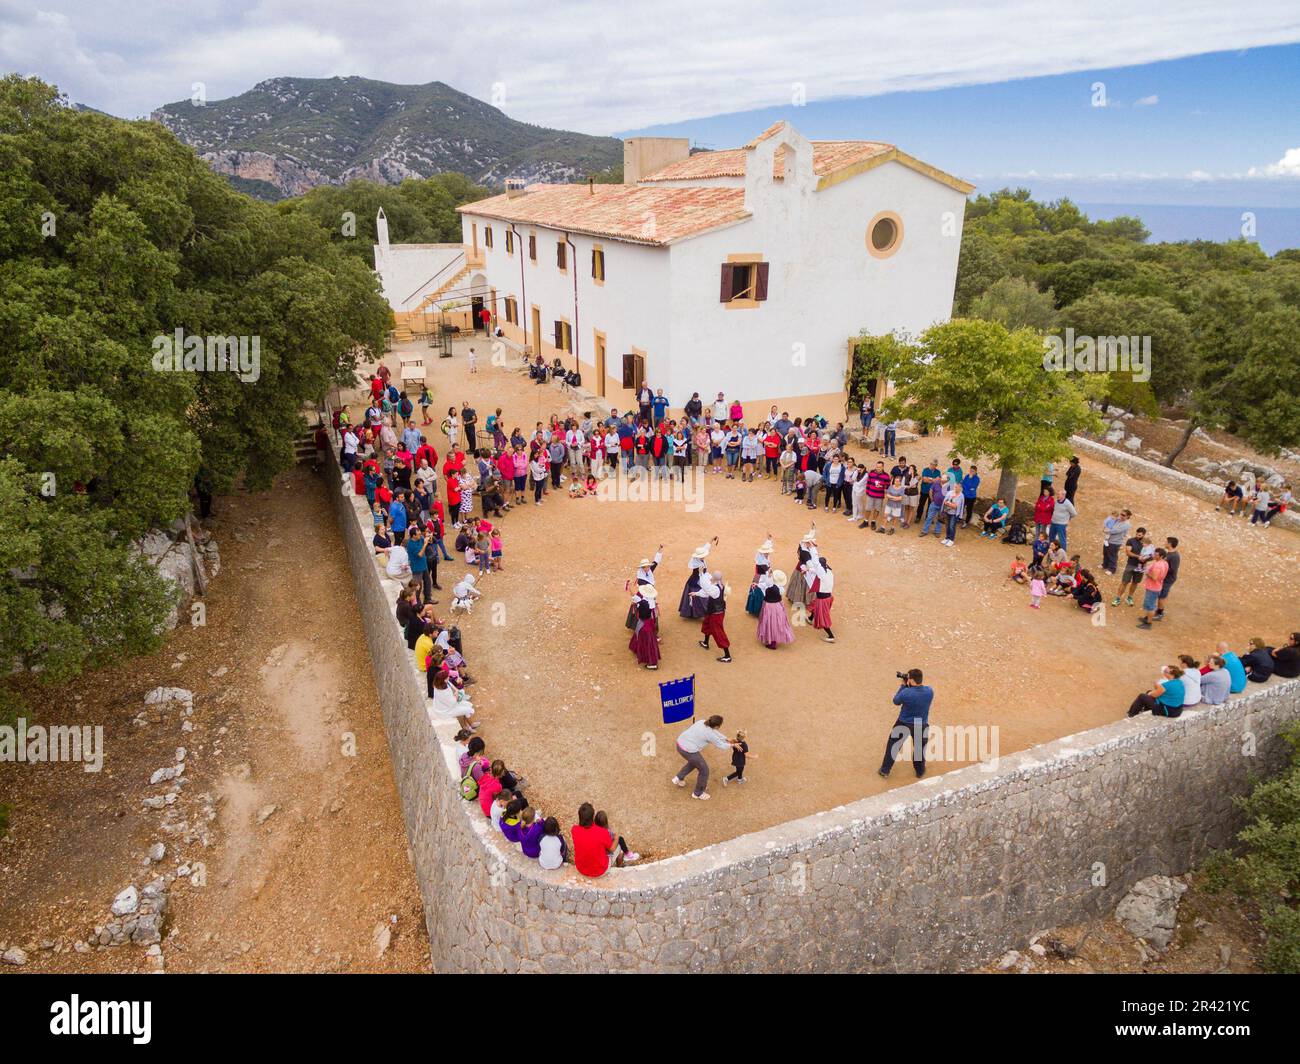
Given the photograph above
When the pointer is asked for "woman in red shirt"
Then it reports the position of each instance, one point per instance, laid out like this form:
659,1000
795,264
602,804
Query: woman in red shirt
1043,510
594,846
772,453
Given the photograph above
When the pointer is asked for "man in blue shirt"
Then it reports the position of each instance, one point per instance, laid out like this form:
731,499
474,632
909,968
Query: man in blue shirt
928,476
660,406
913,700
970,484
416,545
397,519
1236,670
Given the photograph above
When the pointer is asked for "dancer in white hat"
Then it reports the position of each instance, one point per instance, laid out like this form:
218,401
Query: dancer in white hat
773,622
762,564
644,642
645,574
691,606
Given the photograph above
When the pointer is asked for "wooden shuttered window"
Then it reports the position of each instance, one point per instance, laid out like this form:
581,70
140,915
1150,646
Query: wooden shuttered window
743,281
532,247
633,371
487,236
561,254
598,264
564,336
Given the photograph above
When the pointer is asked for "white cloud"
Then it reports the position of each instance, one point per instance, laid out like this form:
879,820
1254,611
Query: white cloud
1287,166
1147,101
600,67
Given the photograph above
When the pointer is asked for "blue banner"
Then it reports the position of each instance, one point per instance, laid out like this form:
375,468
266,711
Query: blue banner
678,698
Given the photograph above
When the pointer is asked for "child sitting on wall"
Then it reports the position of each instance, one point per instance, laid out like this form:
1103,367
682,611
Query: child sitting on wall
551,849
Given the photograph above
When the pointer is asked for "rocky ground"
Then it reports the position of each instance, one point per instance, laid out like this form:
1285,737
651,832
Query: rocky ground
1213,456
1163,925
245,818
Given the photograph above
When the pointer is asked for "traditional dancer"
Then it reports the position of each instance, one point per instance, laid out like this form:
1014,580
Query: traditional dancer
797,590
762,563
822,598
692,607
773,622
713,593
645,574
644,643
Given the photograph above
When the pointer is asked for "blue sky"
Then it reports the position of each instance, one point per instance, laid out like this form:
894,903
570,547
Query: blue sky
1203,129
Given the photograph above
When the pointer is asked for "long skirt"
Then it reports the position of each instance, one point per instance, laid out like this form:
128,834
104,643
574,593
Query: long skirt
797,590
754,603
821,610
774,624
692,607
644,644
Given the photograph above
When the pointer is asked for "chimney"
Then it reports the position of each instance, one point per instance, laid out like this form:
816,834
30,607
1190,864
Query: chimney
514,187
642,156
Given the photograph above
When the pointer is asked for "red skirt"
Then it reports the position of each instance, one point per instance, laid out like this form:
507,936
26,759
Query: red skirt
644,644
821,611
712,626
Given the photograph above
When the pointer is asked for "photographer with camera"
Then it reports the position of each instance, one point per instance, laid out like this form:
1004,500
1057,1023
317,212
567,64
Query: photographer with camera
913,699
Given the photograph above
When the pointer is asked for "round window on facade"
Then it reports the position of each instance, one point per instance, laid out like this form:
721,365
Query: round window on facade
884,234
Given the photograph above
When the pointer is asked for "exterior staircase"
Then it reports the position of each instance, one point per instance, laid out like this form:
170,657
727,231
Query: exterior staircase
451,283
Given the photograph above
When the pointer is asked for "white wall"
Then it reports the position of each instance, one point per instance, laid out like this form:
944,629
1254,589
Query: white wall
628,308
404,268
823,287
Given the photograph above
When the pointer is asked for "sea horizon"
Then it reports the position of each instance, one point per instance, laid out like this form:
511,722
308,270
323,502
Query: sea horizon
1274,228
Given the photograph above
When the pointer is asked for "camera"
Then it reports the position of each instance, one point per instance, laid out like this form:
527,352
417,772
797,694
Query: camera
902,676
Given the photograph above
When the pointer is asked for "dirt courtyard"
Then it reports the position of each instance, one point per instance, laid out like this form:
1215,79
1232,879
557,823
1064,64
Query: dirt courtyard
560,697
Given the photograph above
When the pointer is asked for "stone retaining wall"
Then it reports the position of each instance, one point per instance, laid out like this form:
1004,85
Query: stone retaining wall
1166,477
939,875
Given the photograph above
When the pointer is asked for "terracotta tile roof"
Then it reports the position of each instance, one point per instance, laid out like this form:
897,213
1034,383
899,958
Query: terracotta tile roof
828,156
646,215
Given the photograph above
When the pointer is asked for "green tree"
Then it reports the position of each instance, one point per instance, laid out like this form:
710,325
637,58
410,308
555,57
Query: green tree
114,235
989,389
1107,314
1267,871
1017,304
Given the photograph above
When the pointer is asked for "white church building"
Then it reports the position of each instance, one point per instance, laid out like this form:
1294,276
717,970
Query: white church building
746,271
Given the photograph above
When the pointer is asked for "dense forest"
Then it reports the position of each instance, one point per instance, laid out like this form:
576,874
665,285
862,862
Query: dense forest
113,235
1223,318
1222,321
419,211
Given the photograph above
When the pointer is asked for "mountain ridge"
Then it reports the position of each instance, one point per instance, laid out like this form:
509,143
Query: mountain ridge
293,134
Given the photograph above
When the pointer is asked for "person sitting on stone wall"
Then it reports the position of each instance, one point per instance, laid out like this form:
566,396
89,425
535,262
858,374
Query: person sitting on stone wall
1165,699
